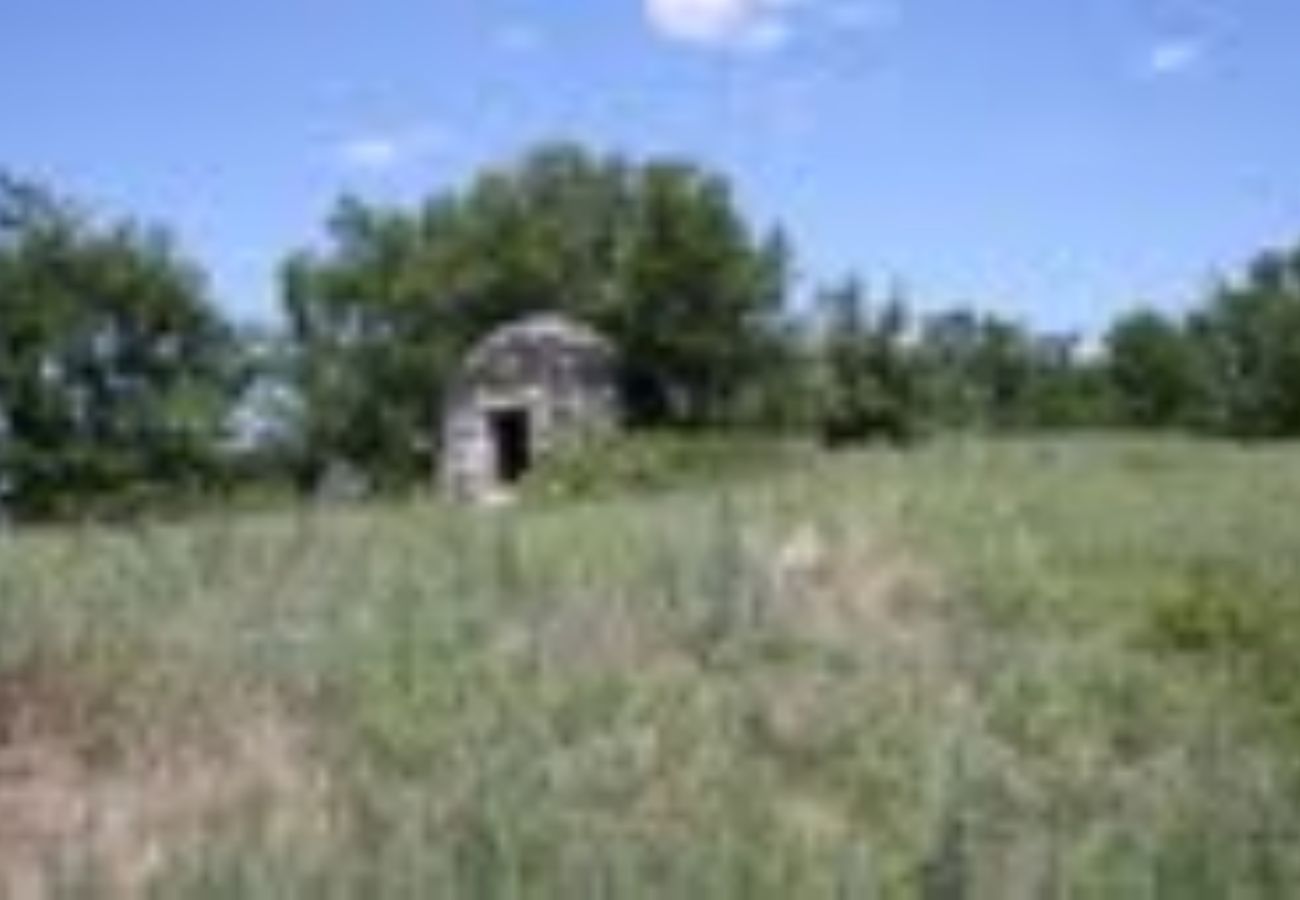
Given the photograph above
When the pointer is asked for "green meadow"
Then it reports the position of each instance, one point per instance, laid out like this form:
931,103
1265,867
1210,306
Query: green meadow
1026,668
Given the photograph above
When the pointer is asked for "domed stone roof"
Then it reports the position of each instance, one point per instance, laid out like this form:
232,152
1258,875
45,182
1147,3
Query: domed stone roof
543,333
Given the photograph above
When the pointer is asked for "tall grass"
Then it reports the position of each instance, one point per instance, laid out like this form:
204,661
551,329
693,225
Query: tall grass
1049,668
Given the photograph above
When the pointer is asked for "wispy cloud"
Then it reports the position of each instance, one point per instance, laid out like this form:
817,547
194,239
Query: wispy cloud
763,25
1175,55
384,151
734,24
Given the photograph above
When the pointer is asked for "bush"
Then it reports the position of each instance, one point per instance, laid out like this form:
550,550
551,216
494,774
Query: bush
1243,626
1214,611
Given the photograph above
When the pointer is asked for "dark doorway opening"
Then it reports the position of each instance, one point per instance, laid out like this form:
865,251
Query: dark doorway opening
511,442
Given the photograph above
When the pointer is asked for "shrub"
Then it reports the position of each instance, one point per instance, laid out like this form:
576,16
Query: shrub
1213,611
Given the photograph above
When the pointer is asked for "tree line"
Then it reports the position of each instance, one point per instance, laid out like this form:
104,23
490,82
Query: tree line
123,386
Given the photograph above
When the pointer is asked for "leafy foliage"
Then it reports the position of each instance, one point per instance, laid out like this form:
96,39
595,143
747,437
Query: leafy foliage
120,383
116,374
1153,369
1231,367
1248,341
988,373
869,388
655,255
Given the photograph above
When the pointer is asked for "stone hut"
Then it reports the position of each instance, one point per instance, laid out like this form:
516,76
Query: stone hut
531,388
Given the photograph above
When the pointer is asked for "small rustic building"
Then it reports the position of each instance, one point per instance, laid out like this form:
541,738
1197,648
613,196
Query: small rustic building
538,386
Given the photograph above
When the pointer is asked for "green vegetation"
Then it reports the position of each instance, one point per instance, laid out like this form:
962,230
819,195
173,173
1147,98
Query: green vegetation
984,669
117,376
656,256
704,659
122,390
654,463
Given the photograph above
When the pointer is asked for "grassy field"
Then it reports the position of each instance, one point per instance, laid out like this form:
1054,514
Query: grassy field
1024,669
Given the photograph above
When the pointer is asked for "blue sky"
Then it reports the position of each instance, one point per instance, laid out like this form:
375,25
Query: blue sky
1053,160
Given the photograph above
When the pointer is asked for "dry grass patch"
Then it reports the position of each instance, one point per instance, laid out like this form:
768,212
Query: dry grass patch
88,804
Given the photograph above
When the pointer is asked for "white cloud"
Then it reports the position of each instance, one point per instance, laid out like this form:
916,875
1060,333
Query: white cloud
1173,56
762,25
381,152
744,24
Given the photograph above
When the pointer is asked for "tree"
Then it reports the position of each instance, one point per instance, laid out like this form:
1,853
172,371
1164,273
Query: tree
1152,366
116,374
1248,341
951,354
698,296
869,376
985,372
371,344
655,255
978,369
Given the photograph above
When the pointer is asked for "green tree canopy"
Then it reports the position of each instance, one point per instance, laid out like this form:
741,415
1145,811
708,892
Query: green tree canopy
869,385
1230,366
986,372
655,255
1152,367
1248,341
115,372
